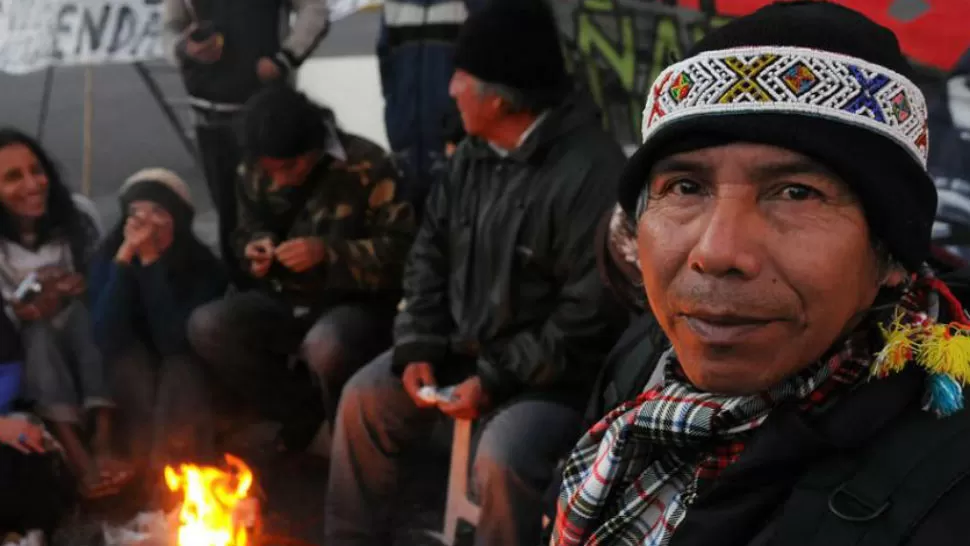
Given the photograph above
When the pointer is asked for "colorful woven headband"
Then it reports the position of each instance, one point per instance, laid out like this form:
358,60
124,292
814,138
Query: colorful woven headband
791,80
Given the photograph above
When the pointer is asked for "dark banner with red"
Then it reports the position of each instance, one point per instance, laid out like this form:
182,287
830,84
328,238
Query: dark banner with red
617,47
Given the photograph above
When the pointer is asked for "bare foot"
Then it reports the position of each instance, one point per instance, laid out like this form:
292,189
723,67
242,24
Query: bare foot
94,486
113,471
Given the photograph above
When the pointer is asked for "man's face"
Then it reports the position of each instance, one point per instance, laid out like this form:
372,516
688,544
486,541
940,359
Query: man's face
478,111
755,260
289,171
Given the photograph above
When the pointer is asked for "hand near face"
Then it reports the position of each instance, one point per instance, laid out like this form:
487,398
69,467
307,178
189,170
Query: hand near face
138,231
138,234
260,256
468,400
301,255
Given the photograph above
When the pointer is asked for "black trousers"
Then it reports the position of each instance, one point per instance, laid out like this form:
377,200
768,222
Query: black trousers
250,339
221,155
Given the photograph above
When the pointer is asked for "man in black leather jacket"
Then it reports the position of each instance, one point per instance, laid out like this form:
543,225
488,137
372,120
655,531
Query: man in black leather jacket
502,296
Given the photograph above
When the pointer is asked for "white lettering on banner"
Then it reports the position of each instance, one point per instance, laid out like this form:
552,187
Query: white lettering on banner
398,13
35,34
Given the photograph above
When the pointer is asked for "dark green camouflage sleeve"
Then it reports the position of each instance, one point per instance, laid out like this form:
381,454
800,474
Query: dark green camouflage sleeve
374,263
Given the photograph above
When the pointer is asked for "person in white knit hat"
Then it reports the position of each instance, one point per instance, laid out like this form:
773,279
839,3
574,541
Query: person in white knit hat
149,274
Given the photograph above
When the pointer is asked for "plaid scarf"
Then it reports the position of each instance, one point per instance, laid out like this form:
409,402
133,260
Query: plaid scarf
632,477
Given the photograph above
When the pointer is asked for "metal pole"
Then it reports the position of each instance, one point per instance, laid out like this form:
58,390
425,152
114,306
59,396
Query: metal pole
88,119
45,102
163,104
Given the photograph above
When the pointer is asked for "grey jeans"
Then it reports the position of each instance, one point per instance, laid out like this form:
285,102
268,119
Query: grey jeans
58,351
166,415
377,423
249,339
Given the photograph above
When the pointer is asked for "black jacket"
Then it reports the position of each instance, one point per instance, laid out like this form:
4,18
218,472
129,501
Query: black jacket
502,278
251,29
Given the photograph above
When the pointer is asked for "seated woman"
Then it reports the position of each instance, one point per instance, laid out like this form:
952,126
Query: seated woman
46,238
147,277
35,488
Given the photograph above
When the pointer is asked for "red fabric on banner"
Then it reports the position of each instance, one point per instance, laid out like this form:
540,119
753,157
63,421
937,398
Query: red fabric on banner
937,37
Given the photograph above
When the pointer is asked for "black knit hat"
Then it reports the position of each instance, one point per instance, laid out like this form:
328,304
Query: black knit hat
816,78
514,43
281,122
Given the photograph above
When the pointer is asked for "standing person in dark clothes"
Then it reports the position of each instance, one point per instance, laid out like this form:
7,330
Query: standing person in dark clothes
229,49
502,296
36,488
415,49
324,235
148,276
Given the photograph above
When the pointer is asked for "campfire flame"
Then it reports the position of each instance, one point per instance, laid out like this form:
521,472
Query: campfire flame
212,499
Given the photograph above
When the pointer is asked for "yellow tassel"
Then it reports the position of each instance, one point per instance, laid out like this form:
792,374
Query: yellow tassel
945,349
898,349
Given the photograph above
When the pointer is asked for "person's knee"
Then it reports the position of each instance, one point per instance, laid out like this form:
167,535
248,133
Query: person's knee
37,334
501,456
324,354
494,460
205,327
364,397
359,391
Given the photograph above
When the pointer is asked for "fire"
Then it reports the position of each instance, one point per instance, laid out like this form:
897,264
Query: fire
212,500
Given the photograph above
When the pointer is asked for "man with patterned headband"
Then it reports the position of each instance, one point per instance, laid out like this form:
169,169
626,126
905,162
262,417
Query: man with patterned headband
813,388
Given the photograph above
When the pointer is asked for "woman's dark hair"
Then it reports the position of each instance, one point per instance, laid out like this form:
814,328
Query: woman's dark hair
61,219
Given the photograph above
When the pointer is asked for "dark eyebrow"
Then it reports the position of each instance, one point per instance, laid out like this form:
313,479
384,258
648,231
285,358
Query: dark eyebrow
770,171
674,164
792,167
9,173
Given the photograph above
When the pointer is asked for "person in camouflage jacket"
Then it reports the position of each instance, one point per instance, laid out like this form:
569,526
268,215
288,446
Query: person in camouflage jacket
324,234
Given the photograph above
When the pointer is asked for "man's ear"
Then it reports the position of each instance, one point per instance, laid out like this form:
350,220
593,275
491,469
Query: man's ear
895,276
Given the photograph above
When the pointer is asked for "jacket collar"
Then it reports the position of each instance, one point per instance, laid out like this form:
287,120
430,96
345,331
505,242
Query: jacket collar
575,111
335,146
502,152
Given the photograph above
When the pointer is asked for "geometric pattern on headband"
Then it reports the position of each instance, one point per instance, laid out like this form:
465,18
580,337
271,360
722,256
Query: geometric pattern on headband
791,80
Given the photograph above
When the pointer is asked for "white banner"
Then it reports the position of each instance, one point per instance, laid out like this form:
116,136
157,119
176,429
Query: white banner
35,34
